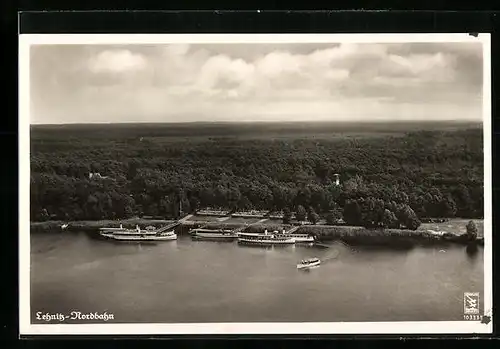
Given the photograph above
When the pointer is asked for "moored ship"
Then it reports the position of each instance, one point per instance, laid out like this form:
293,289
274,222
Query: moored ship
265,239
299,238
138,234
213,234
112,230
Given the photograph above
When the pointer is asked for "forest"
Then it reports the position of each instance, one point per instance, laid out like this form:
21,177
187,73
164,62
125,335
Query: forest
391,175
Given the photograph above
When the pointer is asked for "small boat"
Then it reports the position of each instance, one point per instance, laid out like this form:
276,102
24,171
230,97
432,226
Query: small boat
138,234
264,239
309,263
64,226
213,234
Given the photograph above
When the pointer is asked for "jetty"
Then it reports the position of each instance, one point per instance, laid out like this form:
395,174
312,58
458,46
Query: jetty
294,229
169,226
184,219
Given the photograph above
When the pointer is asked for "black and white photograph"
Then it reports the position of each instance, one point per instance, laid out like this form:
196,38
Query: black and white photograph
255,184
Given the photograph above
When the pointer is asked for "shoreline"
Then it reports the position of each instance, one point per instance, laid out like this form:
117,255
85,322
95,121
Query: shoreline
93,225
352,235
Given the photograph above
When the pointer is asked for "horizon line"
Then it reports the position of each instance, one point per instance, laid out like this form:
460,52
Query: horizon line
477,121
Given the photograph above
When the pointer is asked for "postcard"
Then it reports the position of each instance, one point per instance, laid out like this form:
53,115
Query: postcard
255,184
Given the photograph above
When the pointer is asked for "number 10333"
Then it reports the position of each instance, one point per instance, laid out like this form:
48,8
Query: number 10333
472,317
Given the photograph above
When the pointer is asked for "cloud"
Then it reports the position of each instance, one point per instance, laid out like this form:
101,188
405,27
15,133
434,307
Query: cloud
428,67
221,81
117,61
220,70
275,75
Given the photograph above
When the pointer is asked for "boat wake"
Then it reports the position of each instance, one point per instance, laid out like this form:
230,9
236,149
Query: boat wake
334,251
334,254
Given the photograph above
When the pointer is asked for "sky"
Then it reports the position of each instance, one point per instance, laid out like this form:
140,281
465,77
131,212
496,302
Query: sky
255,82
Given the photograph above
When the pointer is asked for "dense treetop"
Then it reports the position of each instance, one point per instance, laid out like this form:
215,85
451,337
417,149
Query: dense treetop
385,170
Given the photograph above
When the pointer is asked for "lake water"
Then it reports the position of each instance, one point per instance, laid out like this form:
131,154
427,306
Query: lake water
198,281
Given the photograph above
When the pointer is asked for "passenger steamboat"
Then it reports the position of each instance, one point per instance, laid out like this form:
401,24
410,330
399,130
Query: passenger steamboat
112,230
265,239
213,234
138,234
299,238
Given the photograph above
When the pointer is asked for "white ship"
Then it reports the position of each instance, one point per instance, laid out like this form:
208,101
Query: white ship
309,263
112,230
138,234
213,234
265,239
299,238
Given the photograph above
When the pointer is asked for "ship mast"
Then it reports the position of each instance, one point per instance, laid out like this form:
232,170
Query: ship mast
181,194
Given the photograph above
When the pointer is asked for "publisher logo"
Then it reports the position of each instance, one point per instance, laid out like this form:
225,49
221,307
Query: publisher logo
471,303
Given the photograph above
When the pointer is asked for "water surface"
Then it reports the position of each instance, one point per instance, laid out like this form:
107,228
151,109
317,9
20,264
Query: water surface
198,281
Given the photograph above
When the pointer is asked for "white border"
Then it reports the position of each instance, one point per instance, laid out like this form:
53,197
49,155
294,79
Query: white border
450,327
